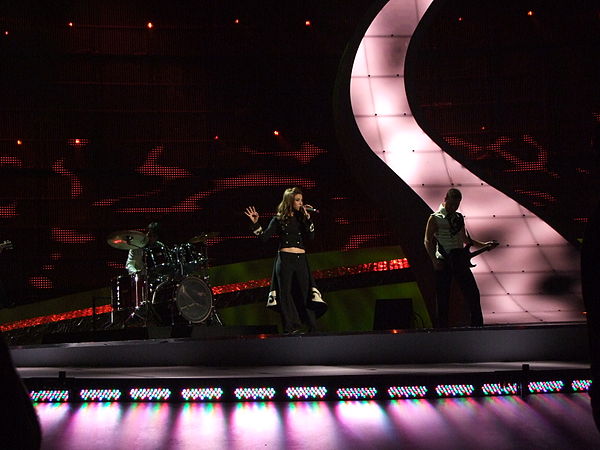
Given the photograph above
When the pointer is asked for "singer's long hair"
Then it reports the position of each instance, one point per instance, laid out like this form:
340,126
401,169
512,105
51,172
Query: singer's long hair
286,208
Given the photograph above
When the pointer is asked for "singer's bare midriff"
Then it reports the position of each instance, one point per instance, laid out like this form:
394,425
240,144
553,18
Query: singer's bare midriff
292,250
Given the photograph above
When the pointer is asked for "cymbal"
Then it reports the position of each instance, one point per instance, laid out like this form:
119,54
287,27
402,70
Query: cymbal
202,237
127,239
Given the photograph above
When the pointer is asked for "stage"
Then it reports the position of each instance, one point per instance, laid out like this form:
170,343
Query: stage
415,388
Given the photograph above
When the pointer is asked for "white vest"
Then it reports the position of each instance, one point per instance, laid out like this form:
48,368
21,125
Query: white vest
443,235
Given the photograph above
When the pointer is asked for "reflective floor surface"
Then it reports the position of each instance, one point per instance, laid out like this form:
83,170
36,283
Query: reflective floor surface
553,421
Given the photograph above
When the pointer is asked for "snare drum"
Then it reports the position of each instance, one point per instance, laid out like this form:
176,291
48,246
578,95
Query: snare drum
128,291
189,260
160,261
194,299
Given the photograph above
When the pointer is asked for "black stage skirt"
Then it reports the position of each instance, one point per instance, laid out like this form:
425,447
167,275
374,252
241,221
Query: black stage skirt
315,303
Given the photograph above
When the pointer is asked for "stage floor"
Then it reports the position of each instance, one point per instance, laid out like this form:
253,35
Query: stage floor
565,342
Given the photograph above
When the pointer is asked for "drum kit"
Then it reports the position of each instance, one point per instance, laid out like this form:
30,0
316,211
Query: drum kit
175,276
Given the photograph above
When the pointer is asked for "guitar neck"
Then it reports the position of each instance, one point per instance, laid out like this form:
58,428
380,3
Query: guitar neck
485,248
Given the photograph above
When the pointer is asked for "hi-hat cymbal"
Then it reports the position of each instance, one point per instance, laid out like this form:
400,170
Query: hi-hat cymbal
127,239
202,237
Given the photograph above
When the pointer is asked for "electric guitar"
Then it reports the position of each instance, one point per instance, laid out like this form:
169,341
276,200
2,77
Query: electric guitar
486,248
6,245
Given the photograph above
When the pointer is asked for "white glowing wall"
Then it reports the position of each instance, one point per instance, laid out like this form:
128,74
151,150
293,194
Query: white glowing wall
509,277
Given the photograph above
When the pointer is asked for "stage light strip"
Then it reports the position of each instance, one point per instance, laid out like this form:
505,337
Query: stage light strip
545,387
100,395
150,394
356,393
500,389
306,392
52,396
407,391
581,385
454,390
261,393
380,266
201,394
318,393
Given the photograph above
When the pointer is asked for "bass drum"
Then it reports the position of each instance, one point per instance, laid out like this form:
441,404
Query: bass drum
194,299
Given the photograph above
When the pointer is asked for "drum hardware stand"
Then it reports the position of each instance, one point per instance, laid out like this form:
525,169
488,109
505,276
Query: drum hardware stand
213,316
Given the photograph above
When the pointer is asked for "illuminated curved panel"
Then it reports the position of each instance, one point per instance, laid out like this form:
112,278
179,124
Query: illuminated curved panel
514,279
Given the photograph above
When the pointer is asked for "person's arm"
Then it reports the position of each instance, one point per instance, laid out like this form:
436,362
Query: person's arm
468,239
135,261
309,226
263,235
430,242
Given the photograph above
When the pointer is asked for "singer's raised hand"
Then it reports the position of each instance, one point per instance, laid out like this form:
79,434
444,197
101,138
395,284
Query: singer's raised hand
252,213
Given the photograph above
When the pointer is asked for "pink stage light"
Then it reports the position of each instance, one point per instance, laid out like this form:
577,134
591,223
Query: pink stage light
261,393
500,389
150,394
581,385
357,393
407,391
100,395
510,276
306,392
454,390
545,387
201,394
49,396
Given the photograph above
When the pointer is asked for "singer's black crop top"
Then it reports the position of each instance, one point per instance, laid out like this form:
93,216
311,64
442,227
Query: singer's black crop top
292,232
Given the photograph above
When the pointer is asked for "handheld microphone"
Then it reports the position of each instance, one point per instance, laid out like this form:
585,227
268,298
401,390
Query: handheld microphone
312,210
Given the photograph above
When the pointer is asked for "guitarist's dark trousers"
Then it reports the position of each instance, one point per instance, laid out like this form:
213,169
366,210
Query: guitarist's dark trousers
456,267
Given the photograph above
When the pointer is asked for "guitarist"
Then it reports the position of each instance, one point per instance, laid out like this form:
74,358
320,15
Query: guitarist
445,239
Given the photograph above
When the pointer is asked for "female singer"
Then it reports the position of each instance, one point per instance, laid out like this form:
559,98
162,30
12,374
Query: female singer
293,225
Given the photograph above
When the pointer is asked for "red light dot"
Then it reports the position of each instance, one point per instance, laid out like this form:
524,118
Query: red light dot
6,33
70,24
150,25
216,138
460,19
19,142
236,21
307,23
483,128
276,133
530,13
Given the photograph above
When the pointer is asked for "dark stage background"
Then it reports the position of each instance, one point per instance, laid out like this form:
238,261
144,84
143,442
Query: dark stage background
108,124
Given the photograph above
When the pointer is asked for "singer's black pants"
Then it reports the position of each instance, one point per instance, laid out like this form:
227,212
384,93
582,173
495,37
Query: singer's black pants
291,270
456,268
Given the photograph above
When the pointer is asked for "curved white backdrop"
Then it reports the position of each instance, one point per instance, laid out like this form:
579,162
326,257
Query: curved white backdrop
509,277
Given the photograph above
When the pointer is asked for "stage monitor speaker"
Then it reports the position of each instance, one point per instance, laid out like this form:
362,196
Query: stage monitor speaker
392,313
